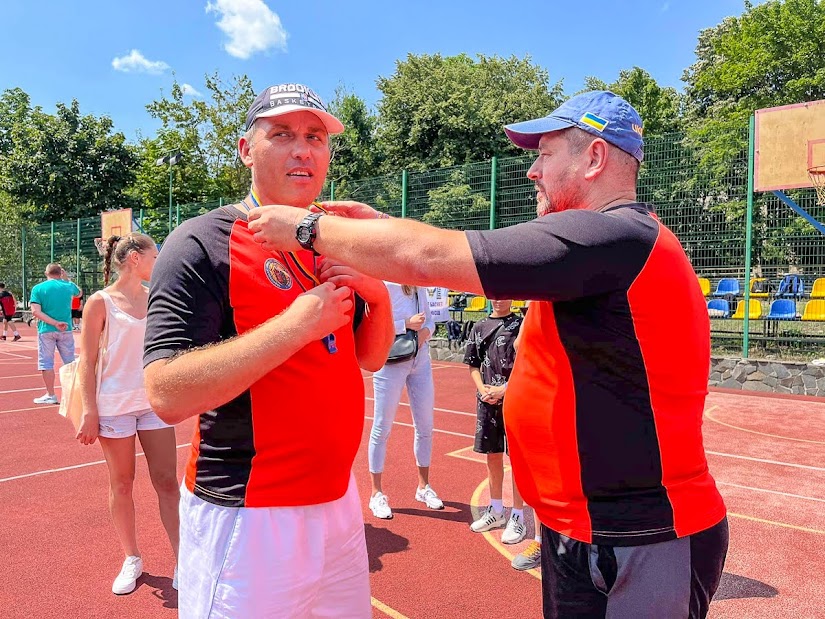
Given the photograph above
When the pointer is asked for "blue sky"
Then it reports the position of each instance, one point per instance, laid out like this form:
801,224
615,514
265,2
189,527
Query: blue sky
116,56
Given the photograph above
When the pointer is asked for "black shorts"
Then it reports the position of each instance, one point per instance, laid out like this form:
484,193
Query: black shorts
490,437
670,579
77,313
7,317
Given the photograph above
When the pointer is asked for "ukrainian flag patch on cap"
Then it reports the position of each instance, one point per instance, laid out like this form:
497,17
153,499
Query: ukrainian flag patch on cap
594,121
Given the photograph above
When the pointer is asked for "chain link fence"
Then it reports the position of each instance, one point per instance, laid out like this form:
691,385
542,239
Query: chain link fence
703,200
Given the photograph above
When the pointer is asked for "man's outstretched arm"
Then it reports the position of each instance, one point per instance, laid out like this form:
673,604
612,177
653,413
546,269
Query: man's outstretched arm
397,250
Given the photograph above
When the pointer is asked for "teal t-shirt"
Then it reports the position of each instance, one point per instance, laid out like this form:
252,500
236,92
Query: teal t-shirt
55,299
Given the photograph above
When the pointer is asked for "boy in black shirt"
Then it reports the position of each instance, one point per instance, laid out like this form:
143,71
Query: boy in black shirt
490,354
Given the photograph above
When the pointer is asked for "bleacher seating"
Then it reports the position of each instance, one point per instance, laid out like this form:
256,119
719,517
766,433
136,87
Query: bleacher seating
760,287
477,304
718,308
818,291
704,284
517,305
754,310
791,287
782,309
814,310
727,285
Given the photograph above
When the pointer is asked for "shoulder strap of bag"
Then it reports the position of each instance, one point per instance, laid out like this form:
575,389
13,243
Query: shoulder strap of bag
104,341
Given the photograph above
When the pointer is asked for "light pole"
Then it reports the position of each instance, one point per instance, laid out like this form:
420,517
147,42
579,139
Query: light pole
172,157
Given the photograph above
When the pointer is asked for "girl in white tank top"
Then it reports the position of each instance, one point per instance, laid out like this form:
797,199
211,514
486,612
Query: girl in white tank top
115,406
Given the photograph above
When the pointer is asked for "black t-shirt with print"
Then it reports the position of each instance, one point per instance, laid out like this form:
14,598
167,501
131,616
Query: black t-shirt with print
490,347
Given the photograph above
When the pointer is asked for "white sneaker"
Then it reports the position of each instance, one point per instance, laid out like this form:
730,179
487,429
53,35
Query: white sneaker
489,520
515,530
46,399
380,506
428,496
126,581
175,579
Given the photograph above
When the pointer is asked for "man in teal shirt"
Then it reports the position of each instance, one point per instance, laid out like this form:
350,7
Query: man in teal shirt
51,303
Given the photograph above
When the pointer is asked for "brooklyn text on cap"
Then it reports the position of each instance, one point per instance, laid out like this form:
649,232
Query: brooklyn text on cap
286,98
599,112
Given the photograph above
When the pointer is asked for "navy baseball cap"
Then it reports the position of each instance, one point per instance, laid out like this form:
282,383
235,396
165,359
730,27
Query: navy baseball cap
286,98
599,112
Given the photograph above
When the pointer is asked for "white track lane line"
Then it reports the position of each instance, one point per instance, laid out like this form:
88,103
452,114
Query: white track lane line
776,462
45,407
796,496
443,410
70,468
20,376
22,390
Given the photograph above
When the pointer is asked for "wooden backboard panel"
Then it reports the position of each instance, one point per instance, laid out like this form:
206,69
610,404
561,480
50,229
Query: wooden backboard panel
788,140
115,222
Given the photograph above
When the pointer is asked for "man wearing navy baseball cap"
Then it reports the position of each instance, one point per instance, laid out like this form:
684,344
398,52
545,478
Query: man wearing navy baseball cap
266,349
604,429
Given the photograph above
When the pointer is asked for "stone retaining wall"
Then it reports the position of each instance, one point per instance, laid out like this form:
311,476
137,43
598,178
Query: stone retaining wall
746,374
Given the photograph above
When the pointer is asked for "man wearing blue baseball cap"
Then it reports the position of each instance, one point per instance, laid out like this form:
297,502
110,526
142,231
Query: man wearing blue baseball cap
604,428
266,350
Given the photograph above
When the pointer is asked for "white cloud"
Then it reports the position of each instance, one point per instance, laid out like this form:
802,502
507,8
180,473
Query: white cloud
190,91
251,26
135,62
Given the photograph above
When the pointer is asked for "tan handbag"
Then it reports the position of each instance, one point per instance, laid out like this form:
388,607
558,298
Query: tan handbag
71,402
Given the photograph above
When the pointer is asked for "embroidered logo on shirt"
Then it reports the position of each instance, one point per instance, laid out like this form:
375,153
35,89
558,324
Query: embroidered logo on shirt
277,274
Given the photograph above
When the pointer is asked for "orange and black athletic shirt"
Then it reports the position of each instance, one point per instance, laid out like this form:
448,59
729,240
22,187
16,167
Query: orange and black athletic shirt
291,438
604,407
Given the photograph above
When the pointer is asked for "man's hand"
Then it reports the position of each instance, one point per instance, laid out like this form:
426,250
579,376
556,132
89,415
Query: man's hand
325,308
353,210
274,226
368,288
61,326
415,322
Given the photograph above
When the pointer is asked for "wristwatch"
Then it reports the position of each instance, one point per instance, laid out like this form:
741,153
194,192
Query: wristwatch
306,232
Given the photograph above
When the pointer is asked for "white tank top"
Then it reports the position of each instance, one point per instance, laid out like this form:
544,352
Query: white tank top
121,384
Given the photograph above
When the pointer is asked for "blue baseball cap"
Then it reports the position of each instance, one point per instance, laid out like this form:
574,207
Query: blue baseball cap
599,112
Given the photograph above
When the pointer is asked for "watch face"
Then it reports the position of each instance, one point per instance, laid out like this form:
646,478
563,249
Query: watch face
303,234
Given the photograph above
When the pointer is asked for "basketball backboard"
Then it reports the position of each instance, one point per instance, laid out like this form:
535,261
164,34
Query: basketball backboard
788,140
115,222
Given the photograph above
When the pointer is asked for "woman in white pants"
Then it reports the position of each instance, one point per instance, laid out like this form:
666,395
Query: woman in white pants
410,311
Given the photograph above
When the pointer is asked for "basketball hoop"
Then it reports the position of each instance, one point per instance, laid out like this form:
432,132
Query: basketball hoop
817,176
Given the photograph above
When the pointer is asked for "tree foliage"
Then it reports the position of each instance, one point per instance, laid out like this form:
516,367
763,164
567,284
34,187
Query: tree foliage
65,165
355,153
438,111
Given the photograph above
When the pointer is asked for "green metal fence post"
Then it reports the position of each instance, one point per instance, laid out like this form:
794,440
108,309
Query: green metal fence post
748,237
493,189
177,215
77,253
51,254
142,229
23,265
220,201
332,191
403,194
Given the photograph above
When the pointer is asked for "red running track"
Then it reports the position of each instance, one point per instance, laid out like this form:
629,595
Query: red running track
59,551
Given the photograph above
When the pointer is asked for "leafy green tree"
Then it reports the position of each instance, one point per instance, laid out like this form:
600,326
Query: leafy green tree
438,111
355,152
659,107
64,165
455,204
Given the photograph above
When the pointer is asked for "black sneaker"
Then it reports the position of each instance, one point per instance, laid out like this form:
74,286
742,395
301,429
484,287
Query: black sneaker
2,337
16,338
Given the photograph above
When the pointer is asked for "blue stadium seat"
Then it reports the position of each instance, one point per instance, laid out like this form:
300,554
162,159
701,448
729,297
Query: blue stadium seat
727,285
718,308
782,309
791,287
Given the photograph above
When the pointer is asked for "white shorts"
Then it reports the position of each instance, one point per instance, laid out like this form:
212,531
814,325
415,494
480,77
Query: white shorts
262,562
123,426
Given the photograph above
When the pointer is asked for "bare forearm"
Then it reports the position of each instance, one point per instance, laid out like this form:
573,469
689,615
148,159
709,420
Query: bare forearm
203,379
43,317
88,384
375,336
402,251
475,374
